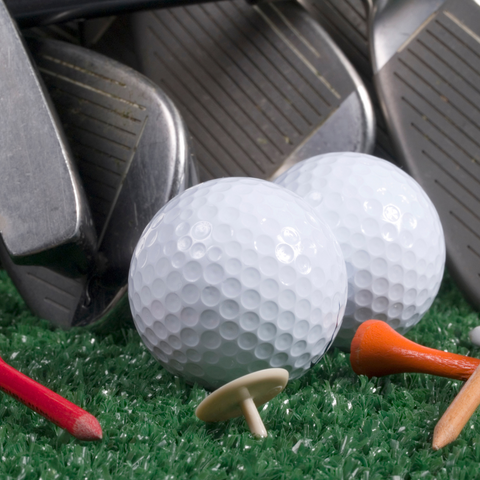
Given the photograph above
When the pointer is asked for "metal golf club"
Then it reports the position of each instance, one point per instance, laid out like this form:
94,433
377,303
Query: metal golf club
260,88
426,61
44,218
132,151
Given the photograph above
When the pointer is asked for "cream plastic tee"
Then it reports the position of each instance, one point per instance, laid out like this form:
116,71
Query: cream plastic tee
242,397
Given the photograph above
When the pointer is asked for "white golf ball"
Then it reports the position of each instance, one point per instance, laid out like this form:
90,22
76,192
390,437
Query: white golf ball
389,232
475,336
237,275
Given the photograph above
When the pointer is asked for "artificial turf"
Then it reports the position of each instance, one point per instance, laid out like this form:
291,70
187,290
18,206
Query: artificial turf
328,424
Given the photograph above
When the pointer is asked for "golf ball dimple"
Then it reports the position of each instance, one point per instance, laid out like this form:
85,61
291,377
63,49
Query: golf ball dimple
388,230
237,275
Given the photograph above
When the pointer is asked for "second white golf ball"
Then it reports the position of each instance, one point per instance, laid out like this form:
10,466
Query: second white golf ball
389,232
237,275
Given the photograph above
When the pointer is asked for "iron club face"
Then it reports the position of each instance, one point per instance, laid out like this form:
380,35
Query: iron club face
260,88
426,60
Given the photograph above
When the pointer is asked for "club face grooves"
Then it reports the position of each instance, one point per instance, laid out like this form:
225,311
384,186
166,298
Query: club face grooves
346,21
429,90
255,85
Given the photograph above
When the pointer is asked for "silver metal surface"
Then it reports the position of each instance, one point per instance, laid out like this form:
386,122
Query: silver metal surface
350,128
392,23
44,218
133,154
331,137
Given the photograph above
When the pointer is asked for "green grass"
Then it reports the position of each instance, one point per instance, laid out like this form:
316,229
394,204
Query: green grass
328,424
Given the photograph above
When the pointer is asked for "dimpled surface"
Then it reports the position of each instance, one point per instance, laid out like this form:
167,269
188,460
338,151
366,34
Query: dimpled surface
237,275
389,232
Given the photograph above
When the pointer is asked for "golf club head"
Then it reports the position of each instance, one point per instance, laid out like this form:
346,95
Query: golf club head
260,88
44,218
426,59
132,151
